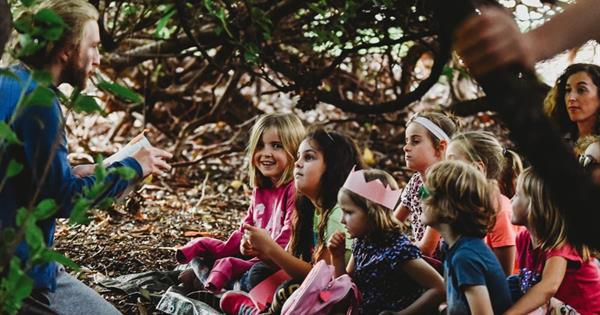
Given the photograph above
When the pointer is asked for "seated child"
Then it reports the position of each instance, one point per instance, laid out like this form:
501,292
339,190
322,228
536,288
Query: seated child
458,203
549,265
387,268
274,140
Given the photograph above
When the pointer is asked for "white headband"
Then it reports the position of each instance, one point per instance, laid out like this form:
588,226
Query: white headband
435,130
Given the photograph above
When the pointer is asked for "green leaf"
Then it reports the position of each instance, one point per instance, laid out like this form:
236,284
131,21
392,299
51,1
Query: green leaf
42,77
28,46
79,212
8,73
24,24
21,216
49,17
40,96
7,134
448,72
87,104
160,31
126,173
34,236
106,203
120,91
27,3
50,255
14,168
17,286
45,209
52,33
99,171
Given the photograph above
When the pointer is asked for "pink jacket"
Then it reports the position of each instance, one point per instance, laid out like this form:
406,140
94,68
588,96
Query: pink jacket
270,209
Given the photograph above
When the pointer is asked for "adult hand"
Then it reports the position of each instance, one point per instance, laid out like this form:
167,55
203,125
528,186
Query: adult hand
493,40
260,240
152,160
84,170
337,244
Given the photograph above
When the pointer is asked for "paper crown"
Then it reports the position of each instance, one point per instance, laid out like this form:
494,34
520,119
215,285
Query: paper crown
373,190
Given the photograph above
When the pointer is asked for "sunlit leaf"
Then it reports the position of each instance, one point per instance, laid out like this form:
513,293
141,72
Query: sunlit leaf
162,23
17,286
120,91
21,216
50,255
79,212
33,235
45,209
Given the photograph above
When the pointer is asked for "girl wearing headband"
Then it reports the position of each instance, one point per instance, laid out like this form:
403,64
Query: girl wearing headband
427,136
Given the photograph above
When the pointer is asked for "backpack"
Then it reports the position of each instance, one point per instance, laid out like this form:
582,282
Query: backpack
319,292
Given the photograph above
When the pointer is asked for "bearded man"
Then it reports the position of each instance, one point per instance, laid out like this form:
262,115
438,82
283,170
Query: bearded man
43,152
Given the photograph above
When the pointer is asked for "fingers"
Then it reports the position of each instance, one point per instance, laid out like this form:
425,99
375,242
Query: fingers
250,228
160,153
490,41
153,161
337,240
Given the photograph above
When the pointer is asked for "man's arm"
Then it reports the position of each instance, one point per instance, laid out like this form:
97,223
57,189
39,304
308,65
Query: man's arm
41,130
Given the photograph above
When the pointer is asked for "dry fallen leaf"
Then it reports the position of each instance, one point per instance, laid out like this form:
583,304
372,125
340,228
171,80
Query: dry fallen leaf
197,233
369,157
236,184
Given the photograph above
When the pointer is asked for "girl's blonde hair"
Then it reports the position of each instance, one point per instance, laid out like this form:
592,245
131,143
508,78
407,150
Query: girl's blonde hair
461,196
380,218
513,167
448,123
545,221
481,146
290,131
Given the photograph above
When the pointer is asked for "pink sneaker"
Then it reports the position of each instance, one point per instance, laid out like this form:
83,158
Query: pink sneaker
238,303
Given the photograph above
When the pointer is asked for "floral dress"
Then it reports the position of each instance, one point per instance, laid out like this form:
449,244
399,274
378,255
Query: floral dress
411,199
378,272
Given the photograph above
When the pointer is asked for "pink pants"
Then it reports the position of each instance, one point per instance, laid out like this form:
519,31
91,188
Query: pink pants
226,267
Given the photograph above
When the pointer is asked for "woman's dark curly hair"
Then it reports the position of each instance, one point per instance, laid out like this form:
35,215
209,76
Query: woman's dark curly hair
340,154
559,111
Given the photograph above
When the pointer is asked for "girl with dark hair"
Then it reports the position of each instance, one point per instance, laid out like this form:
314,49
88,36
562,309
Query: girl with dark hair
324,161
577,103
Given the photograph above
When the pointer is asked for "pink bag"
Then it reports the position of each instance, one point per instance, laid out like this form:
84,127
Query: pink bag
319,292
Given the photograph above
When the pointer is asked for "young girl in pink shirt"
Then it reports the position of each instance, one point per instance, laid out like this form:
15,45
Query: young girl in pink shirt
549,265
485,152
274,140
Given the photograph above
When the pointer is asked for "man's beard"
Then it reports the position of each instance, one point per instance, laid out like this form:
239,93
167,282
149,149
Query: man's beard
74,74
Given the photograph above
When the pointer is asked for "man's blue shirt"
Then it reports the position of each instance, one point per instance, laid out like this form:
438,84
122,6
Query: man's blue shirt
47,172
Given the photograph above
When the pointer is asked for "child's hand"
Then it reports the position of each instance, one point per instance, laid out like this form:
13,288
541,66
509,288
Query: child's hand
246,248
259,239
337,244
